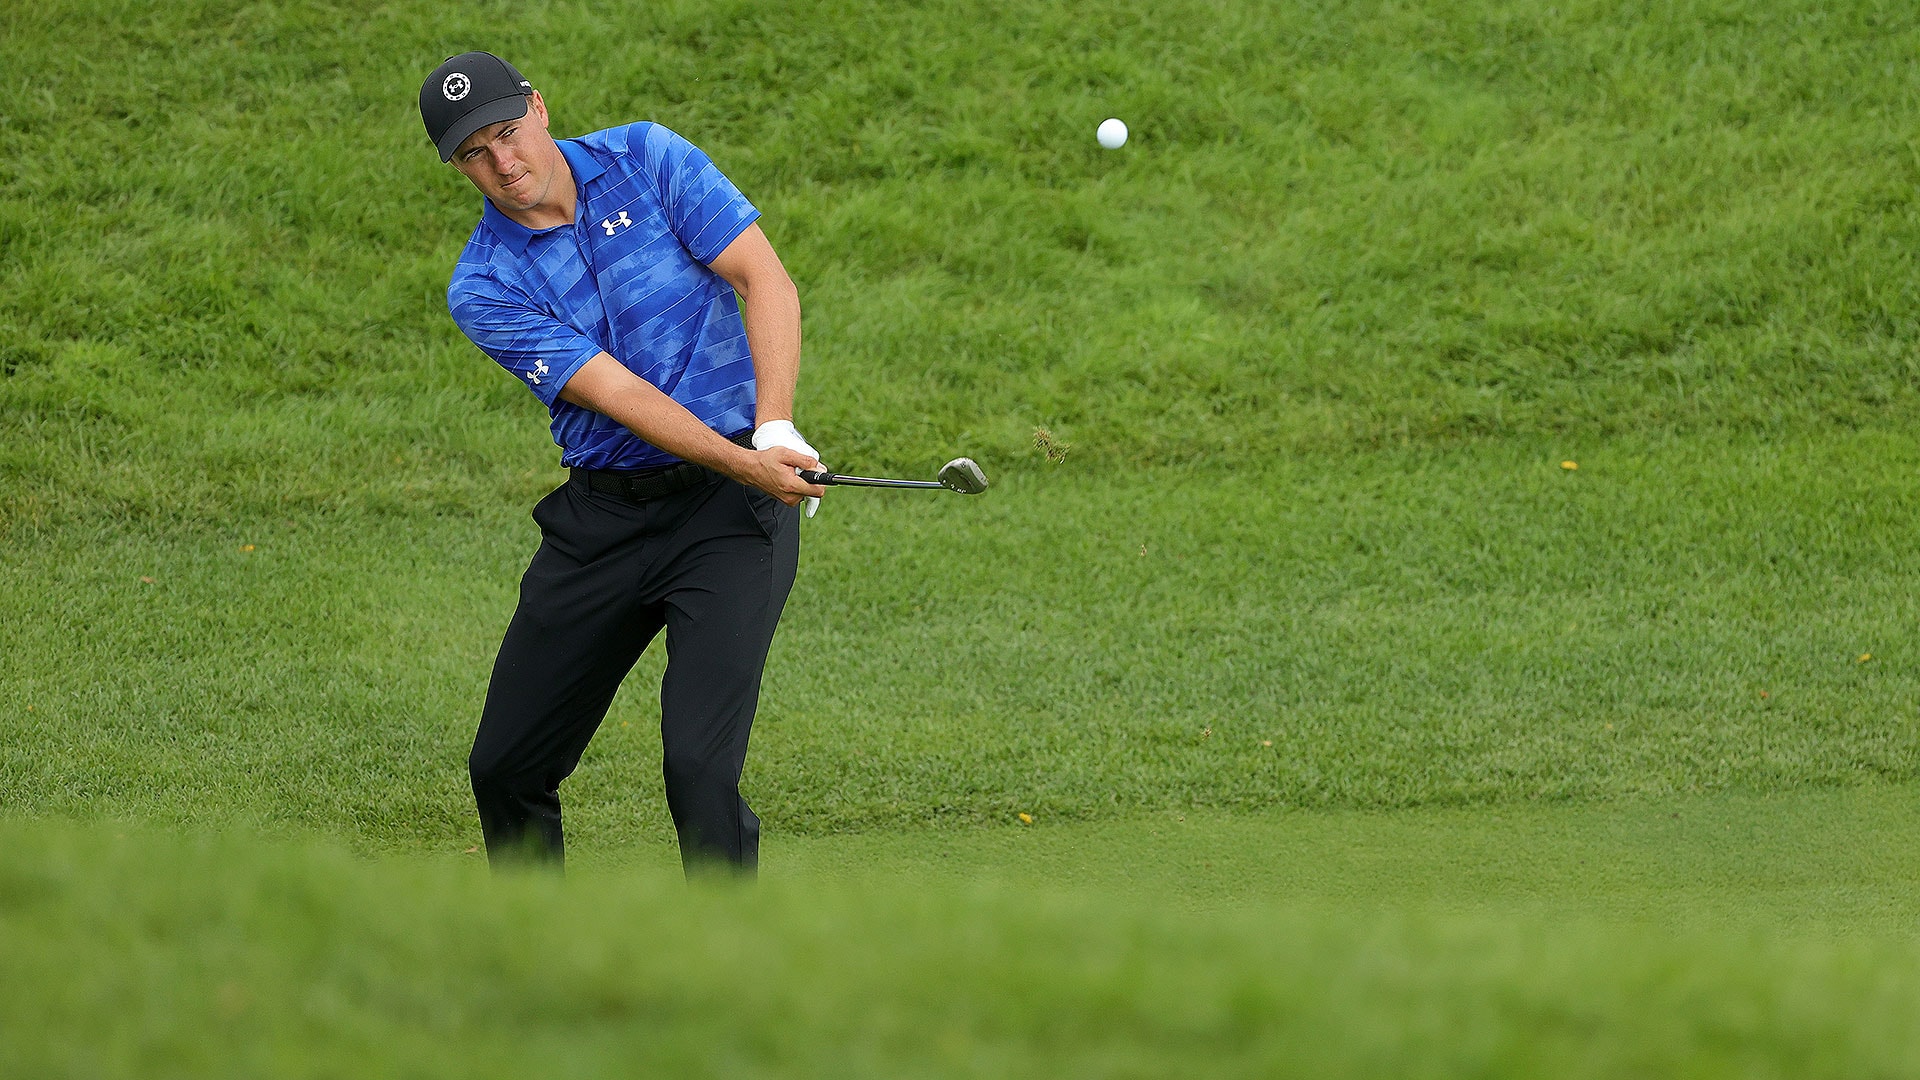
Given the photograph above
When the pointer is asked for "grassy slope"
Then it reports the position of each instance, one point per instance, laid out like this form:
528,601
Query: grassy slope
1318,338
1339,225
1466,627
150,956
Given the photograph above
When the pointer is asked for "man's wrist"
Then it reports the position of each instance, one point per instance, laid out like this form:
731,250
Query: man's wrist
739,462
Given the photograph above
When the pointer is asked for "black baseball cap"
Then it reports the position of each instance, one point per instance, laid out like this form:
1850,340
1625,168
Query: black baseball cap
467,93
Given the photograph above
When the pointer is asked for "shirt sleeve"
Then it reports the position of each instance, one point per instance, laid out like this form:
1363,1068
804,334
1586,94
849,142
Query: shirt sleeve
538,348
703,207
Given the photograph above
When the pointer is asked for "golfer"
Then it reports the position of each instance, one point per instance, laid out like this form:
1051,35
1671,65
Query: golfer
623,280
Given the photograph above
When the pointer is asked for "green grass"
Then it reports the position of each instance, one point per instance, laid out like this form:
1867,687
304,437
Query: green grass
1310,599
224,249
1805,865
1472,627
1546,941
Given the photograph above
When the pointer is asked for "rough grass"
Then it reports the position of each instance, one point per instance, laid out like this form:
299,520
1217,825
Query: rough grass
1338,225
147,955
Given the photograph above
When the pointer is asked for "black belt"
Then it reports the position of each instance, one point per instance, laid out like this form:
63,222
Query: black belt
639,485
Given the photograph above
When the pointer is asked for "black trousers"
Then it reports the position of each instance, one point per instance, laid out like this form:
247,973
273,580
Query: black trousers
711,564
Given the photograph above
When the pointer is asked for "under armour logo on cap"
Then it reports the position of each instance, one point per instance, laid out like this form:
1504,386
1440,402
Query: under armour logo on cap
467,93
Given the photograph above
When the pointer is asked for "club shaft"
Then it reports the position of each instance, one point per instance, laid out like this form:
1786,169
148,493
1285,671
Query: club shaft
870,481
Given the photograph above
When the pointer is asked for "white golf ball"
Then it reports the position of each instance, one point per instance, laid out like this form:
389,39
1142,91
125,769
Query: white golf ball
1112,134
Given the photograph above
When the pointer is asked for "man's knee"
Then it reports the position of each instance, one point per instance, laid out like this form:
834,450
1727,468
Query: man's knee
690,771
485,770
494,776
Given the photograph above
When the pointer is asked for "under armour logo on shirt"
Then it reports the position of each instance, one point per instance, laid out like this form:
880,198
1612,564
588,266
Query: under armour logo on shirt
539,368
616,222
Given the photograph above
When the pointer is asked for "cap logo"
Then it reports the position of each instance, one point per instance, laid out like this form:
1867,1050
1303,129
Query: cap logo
455,87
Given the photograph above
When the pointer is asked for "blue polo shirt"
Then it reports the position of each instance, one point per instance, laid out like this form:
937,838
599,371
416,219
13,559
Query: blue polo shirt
628,278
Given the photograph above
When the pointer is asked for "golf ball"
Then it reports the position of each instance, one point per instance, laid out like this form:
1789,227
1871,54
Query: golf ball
1112,134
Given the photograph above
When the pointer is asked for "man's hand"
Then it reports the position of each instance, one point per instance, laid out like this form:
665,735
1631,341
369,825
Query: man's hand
604,385
775,471
782,433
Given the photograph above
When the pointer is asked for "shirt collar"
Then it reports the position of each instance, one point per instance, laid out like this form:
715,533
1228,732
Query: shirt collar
584,167
511,233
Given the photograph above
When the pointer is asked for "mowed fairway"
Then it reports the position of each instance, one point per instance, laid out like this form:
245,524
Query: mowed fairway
1463,626
1468,627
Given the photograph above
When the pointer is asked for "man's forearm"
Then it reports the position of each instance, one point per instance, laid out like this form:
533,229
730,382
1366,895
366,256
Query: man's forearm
770,308
605,386
608,388
771,311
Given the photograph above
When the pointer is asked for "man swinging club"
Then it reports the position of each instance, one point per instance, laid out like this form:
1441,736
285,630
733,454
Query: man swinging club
603,274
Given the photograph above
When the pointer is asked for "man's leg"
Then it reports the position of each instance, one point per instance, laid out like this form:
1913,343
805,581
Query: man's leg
728,591
576,633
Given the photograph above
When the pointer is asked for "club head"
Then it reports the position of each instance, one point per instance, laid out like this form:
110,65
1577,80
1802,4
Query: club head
963,476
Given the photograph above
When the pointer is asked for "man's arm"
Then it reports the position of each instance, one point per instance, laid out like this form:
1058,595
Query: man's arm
604,385
770,307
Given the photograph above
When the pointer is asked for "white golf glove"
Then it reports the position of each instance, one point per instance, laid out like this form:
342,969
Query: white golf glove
783,433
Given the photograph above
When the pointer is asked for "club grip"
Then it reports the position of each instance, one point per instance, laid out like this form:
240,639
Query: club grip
816,476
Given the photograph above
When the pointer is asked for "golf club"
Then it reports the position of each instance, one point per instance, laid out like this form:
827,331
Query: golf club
960,475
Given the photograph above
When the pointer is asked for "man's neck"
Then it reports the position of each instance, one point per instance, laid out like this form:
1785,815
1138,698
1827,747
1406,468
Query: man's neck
560,206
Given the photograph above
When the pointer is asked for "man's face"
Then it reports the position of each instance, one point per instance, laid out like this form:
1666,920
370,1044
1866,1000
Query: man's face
511,162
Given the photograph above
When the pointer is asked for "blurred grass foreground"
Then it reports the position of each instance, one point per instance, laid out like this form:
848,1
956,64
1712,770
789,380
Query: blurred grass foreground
143,954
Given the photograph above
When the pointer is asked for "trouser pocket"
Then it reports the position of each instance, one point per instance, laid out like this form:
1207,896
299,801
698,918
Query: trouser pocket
584,526
770,513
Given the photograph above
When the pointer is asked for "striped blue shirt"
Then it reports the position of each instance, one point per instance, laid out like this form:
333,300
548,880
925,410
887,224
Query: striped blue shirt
627,278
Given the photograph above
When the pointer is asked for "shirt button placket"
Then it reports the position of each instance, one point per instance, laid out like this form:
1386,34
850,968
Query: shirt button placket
583,236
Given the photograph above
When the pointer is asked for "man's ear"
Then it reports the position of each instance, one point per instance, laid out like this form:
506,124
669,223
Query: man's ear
537,107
